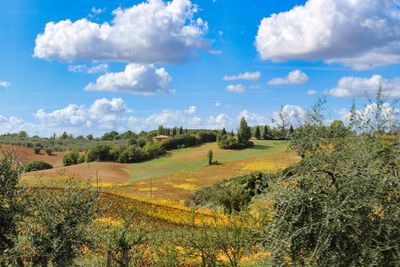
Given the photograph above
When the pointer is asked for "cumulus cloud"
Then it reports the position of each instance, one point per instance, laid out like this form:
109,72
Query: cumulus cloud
289,115
136,79
253,118
238,88
4,84
150,32
243,76
312,92
362,87
13,124
99,68
361,34
294,77
191,110
97,11
102,113
367,115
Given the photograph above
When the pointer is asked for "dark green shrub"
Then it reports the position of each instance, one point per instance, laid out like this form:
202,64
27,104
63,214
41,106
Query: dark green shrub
100,152
37,149
36,165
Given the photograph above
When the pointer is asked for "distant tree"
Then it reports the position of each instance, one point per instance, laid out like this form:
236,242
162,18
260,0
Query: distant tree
174,131
110,136
291,130
210,156
64,135
22,134
244,133
161,130
257,133
266,133
89,137
141,142
223,131
180,130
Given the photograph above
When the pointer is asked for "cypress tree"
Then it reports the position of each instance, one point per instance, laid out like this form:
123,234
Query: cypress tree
266,133
257,133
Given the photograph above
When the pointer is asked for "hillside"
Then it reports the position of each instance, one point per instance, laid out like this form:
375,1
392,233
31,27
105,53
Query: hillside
172,178
26,154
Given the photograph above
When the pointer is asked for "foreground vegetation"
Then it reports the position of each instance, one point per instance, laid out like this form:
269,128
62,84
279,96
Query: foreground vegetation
338,206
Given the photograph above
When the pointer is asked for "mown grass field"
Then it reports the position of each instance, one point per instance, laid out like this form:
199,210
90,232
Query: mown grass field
190,159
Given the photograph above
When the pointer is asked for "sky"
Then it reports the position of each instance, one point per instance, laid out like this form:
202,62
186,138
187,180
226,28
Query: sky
91,66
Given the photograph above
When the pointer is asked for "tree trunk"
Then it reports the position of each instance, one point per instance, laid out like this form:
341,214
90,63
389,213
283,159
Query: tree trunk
109,258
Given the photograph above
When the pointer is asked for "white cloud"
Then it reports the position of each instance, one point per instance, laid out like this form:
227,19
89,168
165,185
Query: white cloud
357,33
366,116
13,124
150,32
99,68
4,84
289,115
191,110
362,87
243,76
239,88
312,92
253,118
217,104
136,79
103,113
294,77
97,11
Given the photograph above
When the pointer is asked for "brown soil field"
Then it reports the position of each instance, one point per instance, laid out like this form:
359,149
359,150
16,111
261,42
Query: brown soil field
107,173
27,154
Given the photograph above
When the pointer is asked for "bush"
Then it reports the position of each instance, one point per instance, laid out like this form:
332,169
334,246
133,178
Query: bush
49,151
232,195
71,158
37,149
231,142
100,152
179,141
36,165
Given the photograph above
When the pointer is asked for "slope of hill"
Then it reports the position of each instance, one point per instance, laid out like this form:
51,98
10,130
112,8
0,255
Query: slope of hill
27,154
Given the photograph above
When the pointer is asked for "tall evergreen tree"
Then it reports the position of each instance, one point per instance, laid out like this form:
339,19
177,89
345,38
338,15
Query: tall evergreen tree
180,130
223,131
266,133
257,133
244,133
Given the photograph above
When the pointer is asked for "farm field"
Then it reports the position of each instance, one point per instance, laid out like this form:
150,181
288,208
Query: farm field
25,154
170,179
175,187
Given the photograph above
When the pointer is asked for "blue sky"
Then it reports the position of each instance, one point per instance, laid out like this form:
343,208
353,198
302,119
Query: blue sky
143,74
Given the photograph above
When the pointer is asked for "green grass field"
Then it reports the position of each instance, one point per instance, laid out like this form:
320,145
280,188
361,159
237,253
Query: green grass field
193,158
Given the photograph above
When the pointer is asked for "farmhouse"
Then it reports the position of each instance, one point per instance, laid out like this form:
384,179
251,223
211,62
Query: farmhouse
160,138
